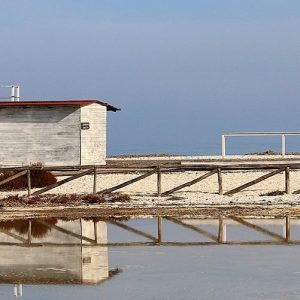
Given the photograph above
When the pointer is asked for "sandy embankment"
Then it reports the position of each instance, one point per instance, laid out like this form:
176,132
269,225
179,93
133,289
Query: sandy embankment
204,193
200,199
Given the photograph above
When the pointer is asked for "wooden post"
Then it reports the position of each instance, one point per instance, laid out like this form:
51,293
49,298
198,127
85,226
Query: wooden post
159,228
95,181
95,232
287,181
220,181
287,229
220,232
158,181
29,232
28,183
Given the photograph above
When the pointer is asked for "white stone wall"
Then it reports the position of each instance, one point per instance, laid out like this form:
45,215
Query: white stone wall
93,140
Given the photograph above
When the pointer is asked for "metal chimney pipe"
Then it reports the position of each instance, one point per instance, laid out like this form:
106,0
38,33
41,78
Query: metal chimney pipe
12,97
17,93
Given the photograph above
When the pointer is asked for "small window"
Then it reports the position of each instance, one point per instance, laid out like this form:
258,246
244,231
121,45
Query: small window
85,126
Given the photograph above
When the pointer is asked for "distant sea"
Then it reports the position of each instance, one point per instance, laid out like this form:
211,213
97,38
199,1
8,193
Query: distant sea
234,145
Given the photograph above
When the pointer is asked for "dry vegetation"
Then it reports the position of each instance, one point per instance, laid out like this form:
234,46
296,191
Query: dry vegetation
39,179
271,152
274,193
65,199
39,229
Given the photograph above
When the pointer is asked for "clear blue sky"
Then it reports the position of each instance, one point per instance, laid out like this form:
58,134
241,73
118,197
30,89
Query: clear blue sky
182,71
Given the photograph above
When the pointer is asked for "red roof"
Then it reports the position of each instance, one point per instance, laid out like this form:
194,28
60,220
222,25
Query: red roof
51,103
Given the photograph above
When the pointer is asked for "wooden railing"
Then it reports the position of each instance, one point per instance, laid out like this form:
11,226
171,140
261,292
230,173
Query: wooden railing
159,170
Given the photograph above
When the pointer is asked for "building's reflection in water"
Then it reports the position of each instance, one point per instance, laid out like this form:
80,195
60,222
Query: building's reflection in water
53,252
58,251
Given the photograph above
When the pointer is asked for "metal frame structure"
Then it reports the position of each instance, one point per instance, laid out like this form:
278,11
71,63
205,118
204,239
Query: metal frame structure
238,134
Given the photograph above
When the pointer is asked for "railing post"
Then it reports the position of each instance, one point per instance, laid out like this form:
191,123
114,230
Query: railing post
158,181
220,181
159,229
95,181
29,232
223,146
28,183
287,180
96,232
222,230
283,145
287,229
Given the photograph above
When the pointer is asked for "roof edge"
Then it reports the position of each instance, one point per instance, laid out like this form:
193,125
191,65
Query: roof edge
79,102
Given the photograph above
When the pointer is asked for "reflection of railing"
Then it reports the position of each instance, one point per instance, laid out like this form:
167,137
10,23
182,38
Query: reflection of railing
237,134
159,238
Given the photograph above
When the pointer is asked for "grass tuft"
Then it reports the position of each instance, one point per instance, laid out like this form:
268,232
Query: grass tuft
39,178
274,193
92,199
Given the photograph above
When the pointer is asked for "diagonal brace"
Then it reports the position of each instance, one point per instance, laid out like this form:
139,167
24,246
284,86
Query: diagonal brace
255,181
179,187
133,230
13,177
194,228
128,182
259,228
59,183
15,236
68,232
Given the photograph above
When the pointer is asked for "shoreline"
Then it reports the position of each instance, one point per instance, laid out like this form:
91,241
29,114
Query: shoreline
106,211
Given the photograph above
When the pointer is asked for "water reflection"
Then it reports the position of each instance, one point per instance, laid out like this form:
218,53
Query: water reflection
53,252
60,251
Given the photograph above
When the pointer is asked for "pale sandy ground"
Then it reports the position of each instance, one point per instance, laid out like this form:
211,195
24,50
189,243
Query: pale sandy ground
210,158
204,193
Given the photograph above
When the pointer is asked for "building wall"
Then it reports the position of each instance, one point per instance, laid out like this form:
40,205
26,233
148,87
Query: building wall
93,140
40,134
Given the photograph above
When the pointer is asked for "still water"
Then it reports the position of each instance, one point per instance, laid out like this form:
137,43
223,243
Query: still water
150,259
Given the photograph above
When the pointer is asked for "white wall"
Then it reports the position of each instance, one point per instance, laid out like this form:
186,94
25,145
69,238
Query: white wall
39,134
93,140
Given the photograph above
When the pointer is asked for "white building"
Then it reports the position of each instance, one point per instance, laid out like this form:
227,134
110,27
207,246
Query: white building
53,133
